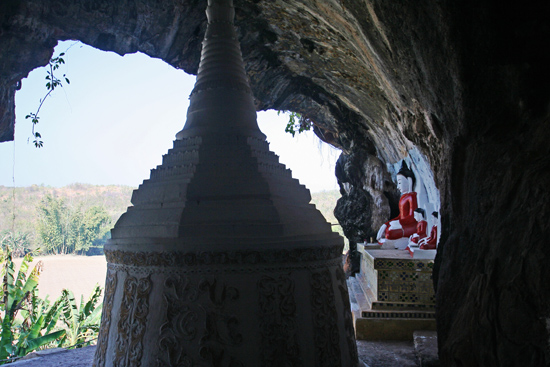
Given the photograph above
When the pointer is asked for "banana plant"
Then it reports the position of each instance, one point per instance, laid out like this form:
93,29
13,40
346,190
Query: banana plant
81,322
41,316
27,322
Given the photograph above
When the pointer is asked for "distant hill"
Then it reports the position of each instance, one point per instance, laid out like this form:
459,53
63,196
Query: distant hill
115,199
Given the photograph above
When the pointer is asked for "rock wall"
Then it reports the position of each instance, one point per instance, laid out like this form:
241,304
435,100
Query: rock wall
369,196
493,264
466,84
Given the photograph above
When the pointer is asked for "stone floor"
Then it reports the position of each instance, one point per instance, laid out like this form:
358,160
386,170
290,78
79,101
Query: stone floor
371,354
59,357
386,354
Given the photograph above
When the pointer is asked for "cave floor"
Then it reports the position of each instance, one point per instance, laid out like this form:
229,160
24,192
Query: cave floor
372,354
386,354
421,351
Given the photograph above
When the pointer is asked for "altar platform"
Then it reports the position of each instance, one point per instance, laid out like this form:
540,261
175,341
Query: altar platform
393,295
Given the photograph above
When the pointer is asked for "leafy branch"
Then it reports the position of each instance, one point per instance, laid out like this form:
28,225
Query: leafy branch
297,123
52,82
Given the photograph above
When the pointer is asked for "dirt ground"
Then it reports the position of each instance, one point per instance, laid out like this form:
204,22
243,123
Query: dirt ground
77,273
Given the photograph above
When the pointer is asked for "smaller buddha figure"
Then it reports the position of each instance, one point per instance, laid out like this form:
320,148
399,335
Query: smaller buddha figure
430,243
421,227
397,231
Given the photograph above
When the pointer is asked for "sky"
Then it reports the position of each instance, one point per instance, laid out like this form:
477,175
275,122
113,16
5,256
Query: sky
117,117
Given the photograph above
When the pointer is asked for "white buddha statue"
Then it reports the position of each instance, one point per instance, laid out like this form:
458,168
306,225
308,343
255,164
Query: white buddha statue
396,232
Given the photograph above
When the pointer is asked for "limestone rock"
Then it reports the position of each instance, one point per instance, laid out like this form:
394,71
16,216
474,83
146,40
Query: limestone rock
369,197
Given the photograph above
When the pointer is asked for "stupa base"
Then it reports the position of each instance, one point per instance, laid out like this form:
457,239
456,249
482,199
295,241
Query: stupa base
240,308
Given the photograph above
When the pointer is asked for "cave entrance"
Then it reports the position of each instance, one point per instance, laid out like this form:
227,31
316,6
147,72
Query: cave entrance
111,125
117,118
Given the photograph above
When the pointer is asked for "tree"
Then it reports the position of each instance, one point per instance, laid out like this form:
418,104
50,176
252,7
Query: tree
19,242
53,224
65,230
87,227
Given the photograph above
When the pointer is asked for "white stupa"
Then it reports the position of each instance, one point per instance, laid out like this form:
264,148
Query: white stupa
222,260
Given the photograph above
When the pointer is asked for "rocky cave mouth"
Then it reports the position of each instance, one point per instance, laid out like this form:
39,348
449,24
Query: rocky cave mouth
111,101
463,85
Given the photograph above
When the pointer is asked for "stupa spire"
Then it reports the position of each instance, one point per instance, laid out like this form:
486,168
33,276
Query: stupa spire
222,100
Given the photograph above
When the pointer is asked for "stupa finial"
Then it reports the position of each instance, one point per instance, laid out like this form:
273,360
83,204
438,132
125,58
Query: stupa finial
222,101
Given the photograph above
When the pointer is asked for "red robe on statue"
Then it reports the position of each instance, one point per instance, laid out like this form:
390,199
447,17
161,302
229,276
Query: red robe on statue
431,242
407,205
421,228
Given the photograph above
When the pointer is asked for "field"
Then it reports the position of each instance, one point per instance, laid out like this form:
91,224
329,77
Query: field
79,274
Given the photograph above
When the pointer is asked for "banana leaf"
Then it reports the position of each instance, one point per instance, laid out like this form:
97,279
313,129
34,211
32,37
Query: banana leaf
33,344
7,284
32,281
22,273
81,322
70,309
93,319
52,316
94,299
6,338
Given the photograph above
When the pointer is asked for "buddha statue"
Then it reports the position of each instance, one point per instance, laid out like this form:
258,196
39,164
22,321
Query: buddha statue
430,243
396,232
421,227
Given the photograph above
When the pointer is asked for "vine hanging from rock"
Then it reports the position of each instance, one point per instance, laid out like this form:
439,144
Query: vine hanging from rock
52,82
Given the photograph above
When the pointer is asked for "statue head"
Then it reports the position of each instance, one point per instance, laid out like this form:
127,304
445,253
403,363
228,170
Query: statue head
419,214
405,179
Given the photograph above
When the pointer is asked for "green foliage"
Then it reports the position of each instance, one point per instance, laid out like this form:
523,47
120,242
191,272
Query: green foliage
41,316
18,242
52,224
18,209
81,322
65,230
27,322
52,82
94,226
297,123
18,206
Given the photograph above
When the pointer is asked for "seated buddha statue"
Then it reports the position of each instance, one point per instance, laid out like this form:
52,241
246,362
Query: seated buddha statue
421,227
430,242
397,231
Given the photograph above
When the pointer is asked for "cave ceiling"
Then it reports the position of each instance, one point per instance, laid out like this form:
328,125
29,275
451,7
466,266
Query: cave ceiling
359,70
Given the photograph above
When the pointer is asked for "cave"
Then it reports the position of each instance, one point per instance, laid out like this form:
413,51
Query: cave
464,85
